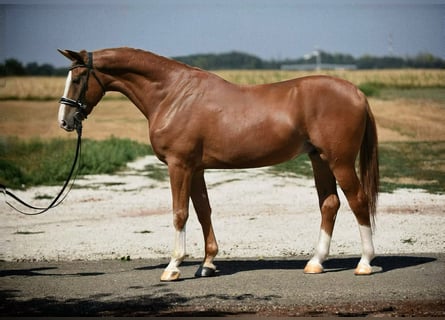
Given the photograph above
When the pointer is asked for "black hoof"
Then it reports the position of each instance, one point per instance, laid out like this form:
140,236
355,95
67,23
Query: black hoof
205,272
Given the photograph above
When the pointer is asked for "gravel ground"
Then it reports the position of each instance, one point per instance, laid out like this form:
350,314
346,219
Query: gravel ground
255,214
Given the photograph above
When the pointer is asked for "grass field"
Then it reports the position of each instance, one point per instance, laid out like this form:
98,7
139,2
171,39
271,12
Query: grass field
25,163
402,165
409,106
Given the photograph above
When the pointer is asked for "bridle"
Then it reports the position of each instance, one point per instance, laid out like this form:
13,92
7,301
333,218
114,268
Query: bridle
80,103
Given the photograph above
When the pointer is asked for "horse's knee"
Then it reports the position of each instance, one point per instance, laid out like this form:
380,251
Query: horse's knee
180,218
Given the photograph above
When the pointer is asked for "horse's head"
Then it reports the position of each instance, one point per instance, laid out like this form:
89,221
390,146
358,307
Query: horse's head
82,92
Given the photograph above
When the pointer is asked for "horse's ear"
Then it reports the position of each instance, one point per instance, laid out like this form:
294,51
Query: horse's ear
72,55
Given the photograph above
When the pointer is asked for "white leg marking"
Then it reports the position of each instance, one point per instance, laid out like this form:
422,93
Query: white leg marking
324,244
178,251
321,253
364,265
172,273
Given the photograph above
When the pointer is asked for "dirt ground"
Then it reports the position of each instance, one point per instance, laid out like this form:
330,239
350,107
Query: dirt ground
102,251
408,285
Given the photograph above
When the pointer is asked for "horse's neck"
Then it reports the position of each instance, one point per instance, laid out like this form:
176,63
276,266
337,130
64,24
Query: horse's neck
143,77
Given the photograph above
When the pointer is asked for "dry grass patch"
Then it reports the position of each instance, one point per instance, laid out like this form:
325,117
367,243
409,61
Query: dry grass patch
409,120
400,78
29,119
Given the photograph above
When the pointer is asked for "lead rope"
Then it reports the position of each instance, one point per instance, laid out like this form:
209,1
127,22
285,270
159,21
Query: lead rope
54,202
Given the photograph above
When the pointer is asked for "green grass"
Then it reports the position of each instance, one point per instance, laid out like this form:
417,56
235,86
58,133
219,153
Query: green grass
387,92
371,89
37,162
157,172
300,166
402,165
433,94
413,165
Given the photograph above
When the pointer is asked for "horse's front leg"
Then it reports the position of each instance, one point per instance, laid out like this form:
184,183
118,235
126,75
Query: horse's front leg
201,204
180,181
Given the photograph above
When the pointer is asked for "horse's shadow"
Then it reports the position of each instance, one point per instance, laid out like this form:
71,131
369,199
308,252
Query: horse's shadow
32,272
232,266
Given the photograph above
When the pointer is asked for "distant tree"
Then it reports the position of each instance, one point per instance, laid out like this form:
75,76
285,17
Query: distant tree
386,62
230,60
46,70
14,67
63,71
425,60
365,62
35,69
32,68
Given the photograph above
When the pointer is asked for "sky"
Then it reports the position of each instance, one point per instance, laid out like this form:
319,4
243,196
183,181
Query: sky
32,30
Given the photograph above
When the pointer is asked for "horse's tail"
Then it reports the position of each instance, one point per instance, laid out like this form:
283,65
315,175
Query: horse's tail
369,163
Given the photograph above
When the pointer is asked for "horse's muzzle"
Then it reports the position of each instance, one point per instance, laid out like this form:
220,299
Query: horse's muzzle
65,126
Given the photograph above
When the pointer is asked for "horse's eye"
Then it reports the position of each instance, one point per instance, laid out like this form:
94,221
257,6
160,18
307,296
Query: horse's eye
76,80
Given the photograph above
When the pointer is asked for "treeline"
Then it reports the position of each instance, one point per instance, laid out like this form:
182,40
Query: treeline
240,60
13,67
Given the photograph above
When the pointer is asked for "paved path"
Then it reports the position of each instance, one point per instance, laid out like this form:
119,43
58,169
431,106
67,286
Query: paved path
402,285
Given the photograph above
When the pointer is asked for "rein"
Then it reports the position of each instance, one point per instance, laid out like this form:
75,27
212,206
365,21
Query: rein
79,116
55,202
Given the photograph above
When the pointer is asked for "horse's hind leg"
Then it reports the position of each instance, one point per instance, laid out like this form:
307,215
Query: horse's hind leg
353,190
329,204
202,207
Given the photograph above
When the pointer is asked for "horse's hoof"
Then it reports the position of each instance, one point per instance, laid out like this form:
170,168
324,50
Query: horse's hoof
169,275
205,272
313,268
363,270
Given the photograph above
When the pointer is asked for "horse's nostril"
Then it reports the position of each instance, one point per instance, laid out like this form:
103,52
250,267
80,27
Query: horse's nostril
63,123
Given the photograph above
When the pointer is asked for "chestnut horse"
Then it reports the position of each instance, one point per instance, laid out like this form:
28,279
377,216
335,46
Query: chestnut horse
199,121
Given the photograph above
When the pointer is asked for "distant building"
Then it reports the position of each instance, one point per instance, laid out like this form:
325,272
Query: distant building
314,66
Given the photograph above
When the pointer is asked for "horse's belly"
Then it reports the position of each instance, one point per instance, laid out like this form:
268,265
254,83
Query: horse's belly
254,151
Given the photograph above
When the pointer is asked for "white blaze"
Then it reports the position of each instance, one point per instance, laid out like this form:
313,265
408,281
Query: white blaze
62,107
